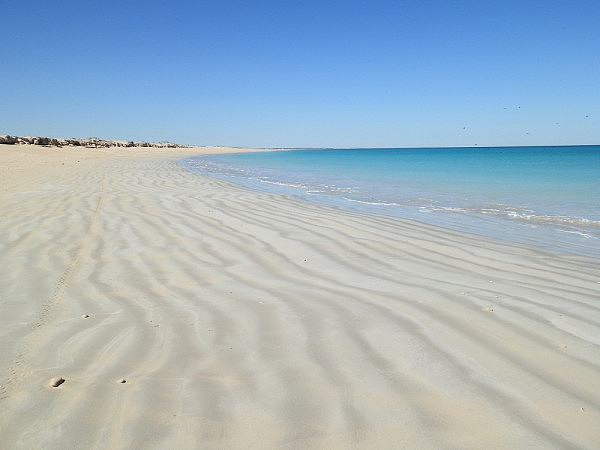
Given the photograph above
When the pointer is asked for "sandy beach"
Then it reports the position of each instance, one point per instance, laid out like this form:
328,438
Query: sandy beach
143,306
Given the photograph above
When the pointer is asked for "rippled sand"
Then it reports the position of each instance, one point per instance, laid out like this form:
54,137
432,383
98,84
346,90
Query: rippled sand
142,306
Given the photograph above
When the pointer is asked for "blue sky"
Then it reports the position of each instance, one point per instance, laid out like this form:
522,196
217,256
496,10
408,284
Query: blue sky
303,73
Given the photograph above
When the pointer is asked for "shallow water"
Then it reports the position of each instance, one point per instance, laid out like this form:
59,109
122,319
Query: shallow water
548,197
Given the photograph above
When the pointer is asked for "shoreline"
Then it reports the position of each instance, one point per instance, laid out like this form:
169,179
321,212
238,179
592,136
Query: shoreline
184,311
553,239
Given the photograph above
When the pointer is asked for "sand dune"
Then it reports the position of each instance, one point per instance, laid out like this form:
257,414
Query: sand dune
186,312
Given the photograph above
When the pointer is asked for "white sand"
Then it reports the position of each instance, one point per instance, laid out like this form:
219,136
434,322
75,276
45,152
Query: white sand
240,319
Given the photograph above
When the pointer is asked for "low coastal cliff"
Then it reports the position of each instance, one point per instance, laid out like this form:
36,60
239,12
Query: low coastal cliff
89,142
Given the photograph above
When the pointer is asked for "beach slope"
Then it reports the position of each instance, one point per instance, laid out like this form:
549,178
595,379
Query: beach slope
142,306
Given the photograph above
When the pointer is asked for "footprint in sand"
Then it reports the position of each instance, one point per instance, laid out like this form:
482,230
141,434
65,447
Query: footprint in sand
56,382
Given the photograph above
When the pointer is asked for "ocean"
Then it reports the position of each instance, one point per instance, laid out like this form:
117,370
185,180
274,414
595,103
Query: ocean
548,197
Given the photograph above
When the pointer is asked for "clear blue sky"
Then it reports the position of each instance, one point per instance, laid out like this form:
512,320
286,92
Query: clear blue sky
303,73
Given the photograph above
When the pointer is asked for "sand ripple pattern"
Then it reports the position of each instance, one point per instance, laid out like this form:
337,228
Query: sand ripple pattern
186,312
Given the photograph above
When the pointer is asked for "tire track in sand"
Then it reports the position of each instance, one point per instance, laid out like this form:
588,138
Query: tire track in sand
20,367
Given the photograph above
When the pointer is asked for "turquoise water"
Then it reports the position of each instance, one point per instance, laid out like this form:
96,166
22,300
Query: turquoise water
543,196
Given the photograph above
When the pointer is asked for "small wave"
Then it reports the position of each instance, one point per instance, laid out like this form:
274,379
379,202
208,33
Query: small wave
547,219
364,202
580,233
446,208
280,183
520,214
